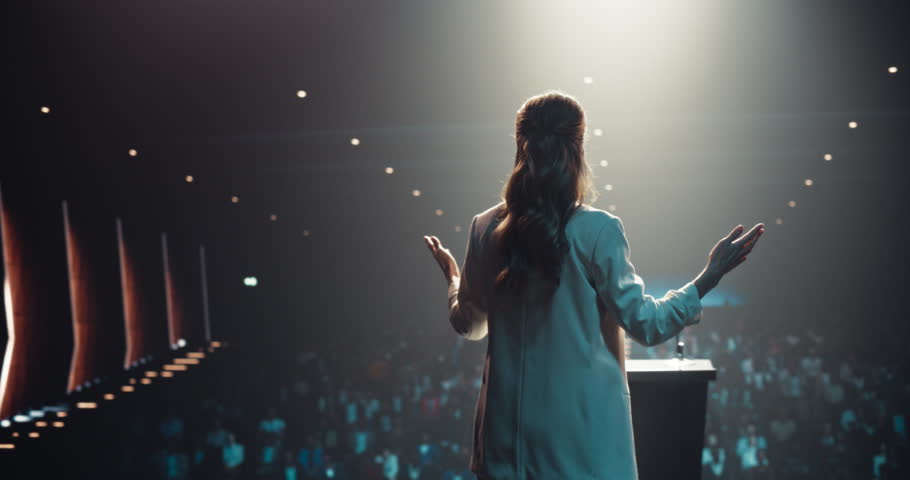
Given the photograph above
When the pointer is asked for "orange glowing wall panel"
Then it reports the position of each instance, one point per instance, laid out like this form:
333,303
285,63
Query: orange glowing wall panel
95,296
141,274
183,288
36,302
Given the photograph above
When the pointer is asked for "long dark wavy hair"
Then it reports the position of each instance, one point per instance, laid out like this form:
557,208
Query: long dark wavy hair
550,180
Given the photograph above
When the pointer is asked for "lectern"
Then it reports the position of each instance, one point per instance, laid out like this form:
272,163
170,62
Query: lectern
669,400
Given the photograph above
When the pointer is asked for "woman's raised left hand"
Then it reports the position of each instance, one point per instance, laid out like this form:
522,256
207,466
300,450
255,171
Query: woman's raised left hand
443,257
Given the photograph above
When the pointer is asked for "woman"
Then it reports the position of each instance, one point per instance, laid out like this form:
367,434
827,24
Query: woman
550,279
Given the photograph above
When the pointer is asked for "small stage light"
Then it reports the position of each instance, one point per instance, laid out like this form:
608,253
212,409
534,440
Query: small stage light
603,163
57,424
235,199
21,418
5,423
41,424
852,124
301,93
181,342
195,355
355,141
415,193
146,381
34,434
828,157
273,217
167,374
598,132
61,414
7,446
892,69
173,368
151,374
250,281
792,203
45,110
389,170
128,388
189,179
186,361
438,212
109,396
132,152
808,182
86,405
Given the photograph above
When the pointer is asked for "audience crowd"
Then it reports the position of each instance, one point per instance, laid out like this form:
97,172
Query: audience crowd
794,404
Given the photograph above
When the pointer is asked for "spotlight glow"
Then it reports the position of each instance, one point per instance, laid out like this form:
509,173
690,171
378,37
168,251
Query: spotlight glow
608,187
588,80
791,203
355,141
189,179
132,152
828,157
415,193
603,163
389,170
852,124
235,199
301,93
438,212
808,182
45,110
892,69
250,281
273,217
598,132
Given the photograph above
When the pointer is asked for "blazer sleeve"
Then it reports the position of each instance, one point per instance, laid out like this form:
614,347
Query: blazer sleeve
648,320
466,313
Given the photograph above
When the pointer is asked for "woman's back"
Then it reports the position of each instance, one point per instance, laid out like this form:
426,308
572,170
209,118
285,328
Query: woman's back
555,402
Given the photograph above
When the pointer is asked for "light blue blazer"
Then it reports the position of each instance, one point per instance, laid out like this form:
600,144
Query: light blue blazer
554,402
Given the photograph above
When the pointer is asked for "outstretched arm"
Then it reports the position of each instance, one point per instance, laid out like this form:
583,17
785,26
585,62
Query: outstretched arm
466,315
648,320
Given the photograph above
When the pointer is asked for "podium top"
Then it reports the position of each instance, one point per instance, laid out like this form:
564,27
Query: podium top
687,370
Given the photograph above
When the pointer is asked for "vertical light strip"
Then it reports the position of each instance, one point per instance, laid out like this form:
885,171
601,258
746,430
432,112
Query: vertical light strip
125,285
168,292
70,269
8,308
205,296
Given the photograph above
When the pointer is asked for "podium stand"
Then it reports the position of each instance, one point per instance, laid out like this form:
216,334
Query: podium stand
669,399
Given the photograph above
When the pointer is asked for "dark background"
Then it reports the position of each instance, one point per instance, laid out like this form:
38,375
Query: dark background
721,130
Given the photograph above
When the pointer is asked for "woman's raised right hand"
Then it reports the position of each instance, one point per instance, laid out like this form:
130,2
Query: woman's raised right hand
732,250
